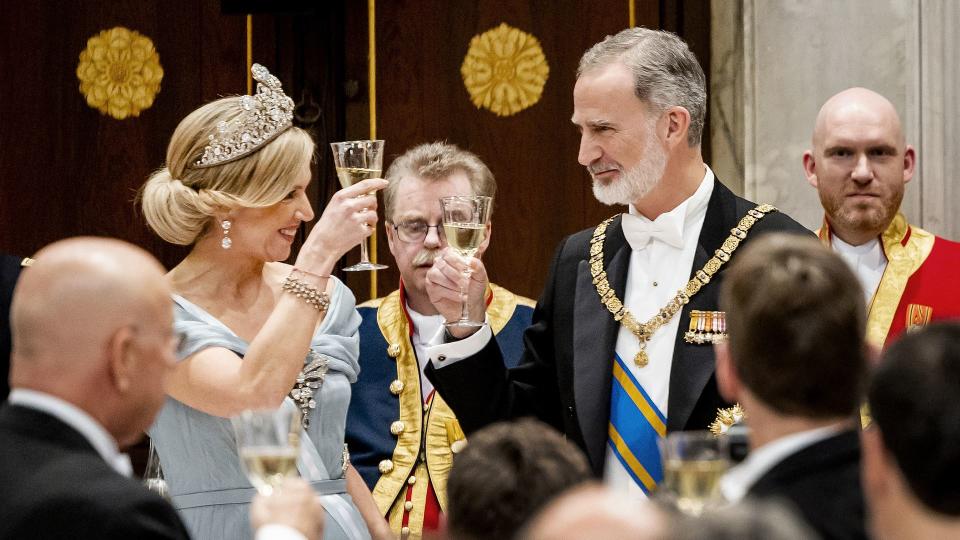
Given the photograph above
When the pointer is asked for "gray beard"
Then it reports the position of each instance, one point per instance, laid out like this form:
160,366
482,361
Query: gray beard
636,183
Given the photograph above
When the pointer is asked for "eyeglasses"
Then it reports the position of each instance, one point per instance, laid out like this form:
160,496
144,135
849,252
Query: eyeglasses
416,231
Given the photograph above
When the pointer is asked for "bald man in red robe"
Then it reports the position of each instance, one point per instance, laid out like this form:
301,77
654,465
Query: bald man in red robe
860,164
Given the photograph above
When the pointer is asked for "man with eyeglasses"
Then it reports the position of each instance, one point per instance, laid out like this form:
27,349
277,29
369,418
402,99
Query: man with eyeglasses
401,434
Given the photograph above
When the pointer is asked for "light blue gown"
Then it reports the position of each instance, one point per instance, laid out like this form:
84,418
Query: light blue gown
198,451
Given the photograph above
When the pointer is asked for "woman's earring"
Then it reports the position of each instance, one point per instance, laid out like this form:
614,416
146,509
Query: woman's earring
225,243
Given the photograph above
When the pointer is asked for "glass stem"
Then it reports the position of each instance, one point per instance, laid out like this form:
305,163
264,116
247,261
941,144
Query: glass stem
364,258
464,315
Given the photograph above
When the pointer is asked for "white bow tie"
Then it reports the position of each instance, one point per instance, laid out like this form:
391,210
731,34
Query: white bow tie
639,231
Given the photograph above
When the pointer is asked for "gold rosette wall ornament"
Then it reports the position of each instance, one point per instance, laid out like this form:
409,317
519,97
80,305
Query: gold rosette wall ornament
504,70
119,72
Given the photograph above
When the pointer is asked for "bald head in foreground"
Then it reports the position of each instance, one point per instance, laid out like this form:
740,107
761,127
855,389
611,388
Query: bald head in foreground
92,329
92,324
596,513
593,512
93,343
860,164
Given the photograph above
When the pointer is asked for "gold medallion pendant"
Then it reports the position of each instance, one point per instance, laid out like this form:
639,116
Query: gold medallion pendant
641,359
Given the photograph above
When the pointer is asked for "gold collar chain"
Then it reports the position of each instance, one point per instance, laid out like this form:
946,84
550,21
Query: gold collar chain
644,331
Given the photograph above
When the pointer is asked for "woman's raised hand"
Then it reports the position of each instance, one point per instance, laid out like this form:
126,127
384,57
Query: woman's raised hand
350,217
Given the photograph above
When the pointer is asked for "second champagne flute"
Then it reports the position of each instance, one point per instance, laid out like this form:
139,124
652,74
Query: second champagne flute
356,161
693,462
465,221
268,442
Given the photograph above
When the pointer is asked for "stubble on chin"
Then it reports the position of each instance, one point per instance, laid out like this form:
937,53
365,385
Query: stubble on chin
863,218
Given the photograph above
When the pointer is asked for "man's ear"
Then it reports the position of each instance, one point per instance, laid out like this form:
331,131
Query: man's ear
728,383
909,163
810,168
391,237
486,240
121,358
677,126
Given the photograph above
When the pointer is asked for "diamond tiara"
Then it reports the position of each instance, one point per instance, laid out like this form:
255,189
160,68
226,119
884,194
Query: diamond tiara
265,115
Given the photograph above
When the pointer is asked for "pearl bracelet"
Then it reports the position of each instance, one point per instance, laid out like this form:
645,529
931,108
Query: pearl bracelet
320,300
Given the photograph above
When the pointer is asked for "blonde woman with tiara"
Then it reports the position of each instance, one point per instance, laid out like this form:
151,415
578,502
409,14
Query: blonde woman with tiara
256,332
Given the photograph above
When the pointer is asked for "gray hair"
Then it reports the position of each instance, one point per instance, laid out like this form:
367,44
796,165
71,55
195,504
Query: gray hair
436,161
665,72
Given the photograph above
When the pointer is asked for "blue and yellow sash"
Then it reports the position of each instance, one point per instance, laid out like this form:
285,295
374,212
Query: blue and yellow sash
635,426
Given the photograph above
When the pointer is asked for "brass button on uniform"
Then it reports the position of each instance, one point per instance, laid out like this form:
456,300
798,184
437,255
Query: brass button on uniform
412,480
397,427
393,350
408,506
385,466
396,387
405,532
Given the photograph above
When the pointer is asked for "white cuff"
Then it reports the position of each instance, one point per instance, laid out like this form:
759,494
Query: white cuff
274,531
443,354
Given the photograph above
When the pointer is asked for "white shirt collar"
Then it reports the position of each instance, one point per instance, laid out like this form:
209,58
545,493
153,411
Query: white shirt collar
676,222
424,326
867,261
739,479
69,414
870,252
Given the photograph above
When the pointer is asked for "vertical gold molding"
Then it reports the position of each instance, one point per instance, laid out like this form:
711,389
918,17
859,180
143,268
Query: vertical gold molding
632,6
372,76
249,54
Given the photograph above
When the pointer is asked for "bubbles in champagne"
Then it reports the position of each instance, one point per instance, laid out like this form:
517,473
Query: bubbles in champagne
268,466
465,237
694,482
351,175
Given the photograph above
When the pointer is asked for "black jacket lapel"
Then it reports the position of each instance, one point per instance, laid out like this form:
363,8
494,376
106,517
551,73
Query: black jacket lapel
693,365
594,340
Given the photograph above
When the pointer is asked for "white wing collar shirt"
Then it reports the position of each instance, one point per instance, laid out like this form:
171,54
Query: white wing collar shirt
425,327
660,263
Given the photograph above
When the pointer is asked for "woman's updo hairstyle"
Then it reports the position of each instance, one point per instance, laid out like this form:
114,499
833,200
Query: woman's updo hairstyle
180,199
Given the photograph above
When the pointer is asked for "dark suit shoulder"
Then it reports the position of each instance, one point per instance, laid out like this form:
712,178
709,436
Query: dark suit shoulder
82,514
773,221
56,486
577,245
822,481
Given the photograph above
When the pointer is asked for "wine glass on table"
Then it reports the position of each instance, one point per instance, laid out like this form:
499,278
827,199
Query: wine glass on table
465,220
356,161
693,462
268,442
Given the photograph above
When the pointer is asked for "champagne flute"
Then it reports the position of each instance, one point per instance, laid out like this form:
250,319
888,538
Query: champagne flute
153,475
465,221
693,463
356,161
269,443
